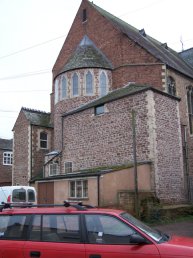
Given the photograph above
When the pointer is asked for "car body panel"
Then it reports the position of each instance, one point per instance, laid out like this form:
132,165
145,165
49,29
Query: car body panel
54,250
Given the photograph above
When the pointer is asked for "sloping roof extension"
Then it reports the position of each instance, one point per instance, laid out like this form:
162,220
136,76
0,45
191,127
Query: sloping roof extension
187,55
87,55
6,144
159,50
128,90
36,117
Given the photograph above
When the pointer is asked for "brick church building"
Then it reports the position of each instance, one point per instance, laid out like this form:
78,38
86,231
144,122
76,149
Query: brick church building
115,89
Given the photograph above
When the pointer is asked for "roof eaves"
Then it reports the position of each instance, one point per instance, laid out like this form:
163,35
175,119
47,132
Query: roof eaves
106,99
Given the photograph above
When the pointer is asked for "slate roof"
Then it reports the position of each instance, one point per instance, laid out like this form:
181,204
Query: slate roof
6,144
129,89
187,55
37,117
157,49
87,55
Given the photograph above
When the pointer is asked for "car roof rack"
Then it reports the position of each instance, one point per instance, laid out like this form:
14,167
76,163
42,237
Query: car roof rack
76,205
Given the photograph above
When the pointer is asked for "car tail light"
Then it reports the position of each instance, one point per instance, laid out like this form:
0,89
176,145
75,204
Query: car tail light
9,198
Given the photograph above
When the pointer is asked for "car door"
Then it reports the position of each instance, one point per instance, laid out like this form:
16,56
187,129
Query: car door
109,237
55,235
13,234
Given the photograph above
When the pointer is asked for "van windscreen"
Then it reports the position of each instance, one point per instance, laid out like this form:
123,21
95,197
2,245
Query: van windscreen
19,195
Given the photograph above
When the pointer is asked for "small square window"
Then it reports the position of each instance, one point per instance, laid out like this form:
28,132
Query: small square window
99,110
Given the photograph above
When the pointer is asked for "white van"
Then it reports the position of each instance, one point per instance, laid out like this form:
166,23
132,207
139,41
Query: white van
18,194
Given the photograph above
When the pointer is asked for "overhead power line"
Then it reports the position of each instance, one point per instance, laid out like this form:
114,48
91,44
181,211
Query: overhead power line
34,46
25,74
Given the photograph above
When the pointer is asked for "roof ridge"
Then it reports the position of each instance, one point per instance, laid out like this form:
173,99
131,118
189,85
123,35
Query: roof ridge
34,110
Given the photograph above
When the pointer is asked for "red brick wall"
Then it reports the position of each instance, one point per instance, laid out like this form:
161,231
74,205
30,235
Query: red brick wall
38,154
28,157
5,171
21,151
127,57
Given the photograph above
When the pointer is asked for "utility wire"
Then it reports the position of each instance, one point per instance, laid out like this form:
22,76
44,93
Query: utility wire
26,74
34,46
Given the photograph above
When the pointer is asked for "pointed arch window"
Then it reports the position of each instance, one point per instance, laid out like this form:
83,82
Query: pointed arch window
171,85
64,88
89,83
103,84
75,88
56,92
190,107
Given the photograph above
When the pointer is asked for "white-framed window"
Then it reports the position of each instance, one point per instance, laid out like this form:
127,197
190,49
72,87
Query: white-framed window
75,85
7,158
53,169
89,83
103,84
43,140
68,167
64,88
56,91
78,189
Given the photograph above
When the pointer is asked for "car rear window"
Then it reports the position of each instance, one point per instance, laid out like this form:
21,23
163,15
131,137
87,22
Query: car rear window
19,195
31,195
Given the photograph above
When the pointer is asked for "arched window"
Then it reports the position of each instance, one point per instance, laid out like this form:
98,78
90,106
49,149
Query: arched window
171,85
103,84
89,83
75,90
64,88
56,91
43,140
190,107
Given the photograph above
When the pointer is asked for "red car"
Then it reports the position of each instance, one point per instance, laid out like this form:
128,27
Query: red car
77,231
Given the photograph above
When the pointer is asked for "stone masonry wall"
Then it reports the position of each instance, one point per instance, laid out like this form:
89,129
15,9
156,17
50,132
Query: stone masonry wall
106,140
169,179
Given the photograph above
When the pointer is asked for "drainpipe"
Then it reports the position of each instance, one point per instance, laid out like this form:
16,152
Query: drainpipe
62,132
135,164
30,172
98,190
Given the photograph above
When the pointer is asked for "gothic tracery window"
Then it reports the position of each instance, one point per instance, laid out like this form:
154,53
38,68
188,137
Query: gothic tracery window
75,89
89,83
103,84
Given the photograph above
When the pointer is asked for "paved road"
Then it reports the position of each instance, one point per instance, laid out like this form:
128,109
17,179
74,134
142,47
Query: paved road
179,228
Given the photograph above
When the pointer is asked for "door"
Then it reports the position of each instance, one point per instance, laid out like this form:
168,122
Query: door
55,235
109,237
46,193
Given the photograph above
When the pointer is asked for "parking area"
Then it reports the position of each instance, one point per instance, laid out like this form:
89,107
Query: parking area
184,228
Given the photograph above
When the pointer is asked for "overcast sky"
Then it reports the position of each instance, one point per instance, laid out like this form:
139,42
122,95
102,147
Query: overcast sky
32,33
